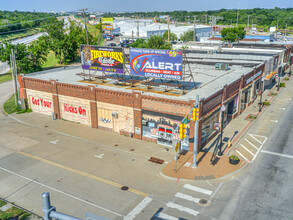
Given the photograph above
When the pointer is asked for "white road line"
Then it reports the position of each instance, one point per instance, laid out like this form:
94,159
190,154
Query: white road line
265,139
216,191
277,154
100,156
131,215
198,189
283,108
276,121
56,190
255,139
182,208
186,197
54,142
251,144
247,149
165,216
242,156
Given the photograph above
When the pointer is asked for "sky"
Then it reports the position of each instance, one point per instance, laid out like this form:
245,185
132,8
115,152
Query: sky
139,5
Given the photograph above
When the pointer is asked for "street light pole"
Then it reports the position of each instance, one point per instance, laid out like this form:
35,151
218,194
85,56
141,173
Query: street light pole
221,127
261,91
196,105
279,76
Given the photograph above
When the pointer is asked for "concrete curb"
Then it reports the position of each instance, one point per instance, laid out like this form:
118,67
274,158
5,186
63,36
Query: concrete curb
4,112
189,180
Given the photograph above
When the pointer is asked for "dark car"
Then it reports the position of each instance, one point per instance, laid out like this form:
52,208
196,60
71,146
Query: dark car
117,34
112,45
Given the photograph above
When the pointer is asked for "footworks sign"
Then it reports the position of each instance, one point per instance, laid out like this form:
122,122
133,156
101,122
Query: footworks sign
152,63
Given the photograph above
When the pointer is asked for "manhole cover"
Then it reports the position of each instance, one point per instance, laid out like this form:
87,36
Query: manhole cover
46,126
49,134
203,201
116,145
131,149
124,188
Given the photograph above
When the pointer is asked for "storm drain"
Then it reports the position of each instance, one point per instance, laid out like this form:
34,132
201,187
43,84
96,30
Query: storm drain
132,149
203,201
124,188
116,145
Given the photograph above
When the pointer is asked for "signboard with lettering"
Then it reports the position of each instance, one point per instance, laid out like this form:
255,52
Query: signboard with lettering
249,80
165,64
107,27
107,20
106,59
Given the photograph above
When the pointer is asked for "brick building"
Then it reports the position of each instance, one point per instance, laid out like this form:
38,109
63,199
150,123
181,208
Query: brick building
152,114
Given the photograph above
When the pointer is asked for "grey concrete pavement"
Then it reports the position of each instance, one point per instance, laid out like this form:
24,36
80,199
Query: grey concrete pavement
265,191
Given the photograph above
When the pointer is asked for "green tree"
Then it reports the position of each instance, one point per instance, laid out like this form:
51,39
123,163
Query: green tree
172,36
157,42
233,34
38,51
187,36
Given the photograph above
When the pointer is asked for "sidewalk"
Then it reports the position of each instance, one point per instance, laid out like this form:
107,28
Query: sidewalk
210,166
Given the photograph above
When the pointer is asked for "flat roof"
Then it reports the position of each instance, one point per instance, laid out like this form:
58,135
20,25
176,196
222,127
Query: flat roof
207,80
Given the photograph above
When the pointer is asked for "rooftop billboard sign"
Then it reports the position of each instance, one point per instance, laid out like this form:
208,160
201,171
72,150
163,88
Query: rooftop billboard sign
153,63
106,59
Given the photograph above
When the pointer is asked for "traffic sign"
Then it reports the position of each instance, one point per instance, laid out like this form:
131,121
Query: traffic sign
185,120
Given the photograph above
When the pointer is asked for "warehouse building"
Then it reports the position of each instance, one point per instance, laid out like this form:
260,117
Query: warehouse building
152,112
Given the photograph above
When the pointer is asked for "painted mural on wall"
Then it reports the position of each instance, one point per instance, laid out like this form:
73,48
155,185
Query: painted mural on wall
162,128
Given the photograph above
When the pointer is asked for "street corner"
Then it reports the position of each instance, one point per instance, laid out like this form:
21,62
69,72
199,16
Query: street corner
210,166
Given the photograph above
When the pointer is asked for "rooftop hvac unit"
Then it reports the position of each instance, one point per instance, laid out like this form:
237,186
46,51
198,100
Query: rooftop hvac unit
221,66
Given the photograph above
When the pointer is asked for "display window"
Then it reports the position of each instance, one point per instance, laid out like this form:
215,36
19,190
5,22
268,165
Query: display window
208,125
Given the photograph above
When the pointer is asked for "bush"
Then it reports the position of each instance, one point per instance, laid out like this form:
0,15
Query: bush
282,84
233,157
287,78
266,103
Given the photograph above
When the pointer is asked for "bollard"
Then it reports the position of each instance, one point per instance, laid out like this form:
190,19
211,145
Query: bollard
47,208
50,211
53,118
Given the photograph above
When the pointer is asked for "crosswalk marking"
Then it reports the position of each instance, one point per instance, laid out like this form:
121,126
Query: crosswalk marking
255,139
187,197
198,189
165,216
182,208
247,149
242,156
138,208
251,144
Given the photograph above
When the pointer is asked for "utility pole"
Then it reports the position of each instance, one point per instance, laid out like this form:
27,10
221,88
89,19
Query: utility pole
87,37
188,18
206,19
14,75
194,28
286,30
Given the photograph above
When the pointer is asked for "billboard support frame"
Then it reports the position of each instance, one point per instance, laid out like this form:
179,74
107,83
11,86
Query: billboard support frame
186,76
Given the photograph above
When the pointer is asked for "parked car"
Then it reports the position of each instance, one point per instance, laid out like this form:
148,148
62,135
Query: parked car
109,37
117,34
112,45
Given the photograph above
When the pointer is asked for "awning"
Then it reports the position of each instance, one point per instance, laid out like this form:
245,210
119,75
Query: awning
271,75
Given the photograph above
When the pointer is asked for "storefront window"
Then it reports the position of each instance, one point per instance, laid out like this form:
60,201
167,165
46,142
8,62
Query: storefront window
208,125
232,106
245,97
256,87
